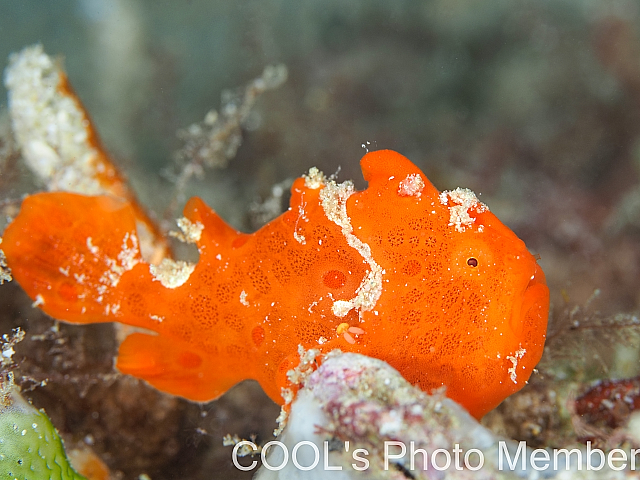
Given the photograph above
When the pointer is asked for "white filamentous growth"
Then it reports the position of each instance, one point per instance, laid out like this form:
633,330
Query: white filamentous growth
334,203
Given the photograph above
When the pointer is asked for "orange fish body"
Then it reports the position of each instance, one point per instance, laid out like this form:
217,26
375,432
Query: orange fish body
430,282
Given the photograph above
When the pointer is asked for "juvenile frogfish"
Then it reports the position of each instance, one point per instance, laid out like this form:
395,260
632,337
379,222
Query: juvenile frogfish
432,283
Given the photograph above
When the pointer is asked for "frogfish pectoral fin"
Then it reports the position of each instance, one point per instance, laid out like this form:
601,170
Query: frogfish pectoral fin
175,367
69,252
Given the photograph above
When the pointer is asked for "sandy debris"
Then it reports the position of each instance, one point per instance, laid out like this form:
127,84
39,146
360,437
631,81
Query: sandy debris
243,298
513,374
172,274
190,231
460,201
314,179
128,258
5,271
411,186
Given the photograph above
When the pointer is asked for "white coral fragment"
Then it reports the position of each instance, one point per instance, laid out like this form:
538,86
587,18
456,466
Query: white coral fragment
355,403
50,125
297,376
172,274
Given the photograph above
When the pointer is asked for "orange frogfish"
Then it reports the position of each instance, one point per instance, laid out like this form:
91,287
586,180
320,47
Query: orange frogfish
432,283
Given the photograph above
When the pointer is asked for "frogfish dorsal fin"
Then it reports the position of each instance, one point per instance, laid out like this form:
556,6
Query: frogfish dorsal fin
382,166
216,231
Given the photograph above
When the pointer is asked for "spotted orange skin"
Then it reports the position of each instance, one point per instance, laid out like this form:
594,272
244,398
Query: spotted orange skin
464,308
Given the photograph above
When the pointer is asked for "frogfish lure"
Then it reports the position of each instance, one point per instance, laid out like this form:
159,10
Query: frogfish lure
432,283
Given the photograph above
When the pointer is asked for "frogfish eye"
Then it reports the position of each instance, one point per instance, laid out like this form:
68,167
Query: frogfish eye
472,262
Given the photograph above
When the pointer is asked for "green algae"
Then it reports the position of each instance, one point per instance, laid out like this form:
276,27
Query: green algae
30,447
